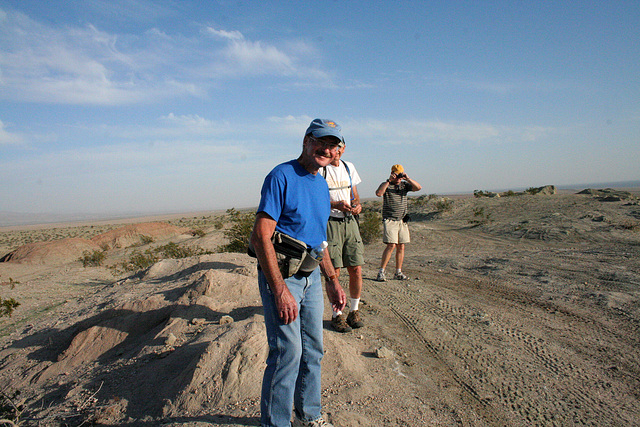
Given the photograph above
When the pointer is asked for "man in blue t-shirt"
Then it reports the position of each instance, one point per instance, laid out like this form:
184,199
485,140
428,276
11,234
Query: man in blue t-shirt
295,201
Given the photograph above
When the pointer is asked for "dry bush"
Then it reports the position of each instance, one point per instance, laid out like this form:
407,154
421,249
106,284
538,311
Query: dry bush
92,259
239,233
370,226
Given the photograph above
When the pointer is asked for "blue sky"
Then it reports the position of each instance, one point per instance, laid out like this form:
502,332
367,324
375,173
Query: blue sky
175,106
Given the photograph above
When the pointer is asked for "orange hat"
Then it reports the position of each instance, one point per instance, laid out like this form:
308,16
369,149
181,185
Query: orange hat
397,169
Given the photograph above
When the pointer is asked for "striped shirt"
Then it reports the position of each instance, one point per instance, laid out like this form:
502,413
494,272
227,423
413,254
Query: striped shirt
394,204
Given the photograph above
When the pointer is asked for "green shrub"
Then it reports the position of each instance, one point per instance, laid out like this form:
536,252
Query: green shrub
240,231
92,259
370,226
532,190
198,232
444,205
140,261
480,217
418,202
172,250
8,305
146,240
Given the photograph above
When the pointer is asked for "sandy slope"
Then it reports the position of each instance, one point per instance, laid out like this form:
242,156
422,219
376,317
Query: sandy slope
531,317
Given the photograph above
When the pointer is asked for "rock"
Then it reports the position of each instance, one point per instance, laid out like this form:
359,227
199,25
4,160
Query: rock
171,340
613,198
384,353
547,190
226,319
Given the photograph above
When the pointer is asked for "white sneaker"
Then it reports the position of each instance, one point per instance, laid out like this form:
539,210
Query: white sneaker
381,277
400,276
320,422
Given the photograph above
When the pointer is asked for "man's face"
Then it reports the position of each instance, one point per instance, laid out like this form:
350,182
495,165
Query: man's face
336,158
322,151
397,177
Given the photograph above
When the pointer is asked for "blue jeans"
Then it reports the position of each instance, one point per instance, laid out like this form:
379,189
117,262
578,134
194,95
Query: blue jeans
292,376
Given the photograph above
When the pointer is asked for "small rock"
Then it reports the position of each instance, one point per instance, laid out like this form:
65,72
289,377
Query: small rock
384,353
171,340
226,319
198,321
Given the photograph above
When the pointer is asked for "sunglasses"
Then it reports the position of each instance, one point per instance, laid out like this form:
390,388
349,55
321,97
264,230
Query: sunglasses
331,146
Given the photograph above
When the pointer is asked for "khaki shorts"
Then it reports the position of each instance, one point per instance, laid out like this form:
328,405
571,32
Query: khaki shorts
395,231
345,244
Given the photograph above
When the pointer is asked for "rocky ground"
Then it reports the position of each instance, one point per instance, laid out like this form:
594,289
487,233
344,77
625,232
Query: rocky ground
518,311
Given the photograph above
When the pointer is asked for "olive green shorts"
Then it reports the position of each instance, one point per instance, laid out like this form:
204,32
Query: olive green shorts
345,244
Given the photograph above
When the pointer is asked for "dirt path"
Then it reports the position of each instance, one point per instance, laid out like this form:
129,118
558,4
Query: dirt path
511,331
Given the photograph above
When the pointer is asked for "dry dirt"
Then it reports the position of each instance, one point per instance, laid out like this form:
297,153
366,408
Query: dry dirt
519,311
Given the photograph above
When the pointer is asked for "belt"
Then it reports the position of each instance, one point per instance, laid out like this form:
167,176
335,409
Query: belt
346,218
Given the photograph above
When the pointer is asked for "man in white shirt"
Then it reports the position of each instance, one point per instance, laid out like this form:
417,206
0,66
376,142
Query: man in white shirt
343,234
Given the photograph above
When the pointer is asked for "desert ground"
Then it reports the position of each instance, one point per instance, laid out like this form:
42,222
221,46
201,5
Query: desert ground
518,311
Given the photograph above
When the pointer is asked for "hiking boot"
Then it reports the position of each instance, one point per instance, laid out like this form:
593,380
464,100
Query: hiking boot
339,324
400,276
381,277
320,422
354,319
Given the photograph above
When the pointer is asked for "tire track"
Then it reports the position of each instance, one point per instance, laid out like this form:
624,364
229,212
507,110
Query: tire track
495,362
417,324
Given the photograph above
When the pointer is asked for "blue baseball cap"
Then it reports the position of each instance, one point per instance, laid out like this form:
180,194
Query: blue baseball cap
325,127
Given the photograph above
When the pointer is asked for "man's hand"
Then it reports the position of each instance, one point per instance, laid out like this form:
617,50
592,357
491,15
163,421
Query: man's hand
342,206
336,295
287,306
261,239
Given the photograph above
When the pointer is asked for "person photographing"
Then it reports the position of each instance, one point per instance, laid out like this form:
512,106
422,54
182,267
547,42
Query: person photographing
394,218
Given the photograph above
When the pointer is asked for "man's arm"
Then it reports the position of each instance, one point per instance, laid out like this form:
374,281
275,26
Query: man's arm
383,187
335,293
263,230
414,184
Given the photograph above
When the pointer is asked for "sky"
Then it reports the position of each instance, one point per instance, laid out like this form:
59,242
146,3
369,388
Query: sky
139,106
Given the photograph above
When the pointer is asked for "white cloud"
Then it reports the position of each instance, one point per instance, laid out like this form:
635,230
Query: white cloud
229,35
242,57
439,132
67,65
85,65
257,58
8,138
187,120
290,126
192,125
